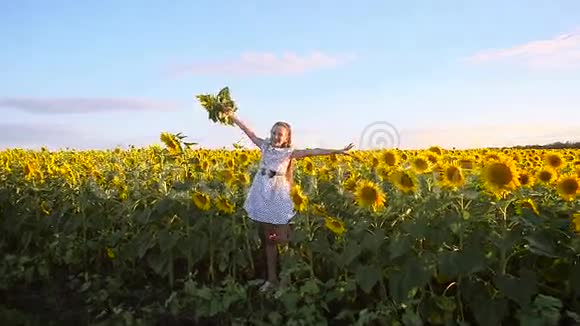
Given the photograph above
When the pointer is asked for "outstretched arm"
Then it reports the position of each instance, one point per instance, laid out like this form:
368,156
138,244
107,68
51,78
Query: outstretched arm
301,153
255,139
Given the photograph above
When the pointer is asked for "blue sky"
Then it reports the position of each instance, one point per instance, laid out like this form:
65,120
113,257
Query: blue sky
466,74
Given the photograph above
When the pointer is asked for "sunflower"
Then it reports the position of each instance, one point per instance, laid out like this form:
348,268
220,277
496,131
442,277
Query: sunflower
404,180
500,176
299,199
227,176
368,194
568,187
420,164
546,175
576,222
243,158
336,226
201,200
319,209
432,158
526,203
171,142
436,149
452,176
308,166
224,205
242,178
390,158
383,171
204,165
526,179
350,183
554,160
324,173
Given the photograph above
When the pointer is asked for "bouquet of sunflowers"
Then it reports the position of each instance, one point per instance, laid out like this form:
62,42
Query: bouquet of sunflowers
219,107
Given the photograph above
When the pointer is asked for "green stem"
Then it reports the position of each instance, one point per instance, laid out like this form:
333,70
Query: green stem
502,254
84,221
171,271
188,236
248,246
233,265
310,239
210,247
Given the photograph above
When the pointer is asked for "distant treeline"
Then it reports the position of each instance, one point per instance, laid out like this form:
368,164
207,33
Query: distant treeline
556,145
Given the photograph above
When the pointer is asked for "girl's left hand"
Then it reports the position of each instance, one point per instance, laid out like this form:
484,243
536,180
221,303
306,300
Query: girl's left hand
346,149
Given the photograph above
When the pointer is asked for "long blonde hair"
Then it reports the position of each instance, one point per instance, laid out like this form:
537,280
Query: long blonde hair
287,144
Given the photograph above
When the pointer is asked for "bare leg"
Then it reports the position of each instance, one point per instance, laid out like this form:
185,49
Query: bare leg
271,254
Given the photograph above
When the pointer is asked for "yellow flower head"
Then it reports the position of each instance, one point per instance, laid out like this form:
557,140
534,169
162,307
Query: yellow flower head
335,226
420,164
390,158
171,142
319,209
452,176
201,200
383,171
308,166
404,180
299,199
350,183
568,187
500,176
576,222
546,175
554,160
224,205
368,194
436,149
526,179
526,203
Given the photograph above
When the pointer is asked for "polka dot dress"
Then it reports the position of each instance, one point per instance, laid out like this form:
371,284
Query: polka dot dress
268,198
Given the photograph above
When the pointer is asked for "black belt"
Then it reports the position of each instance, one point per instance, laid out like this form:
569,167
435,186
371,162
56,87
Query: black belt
270,173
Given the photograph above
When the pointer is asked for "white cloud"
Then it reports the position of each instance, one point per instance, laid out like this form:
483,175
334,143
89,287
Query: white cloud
558,53
265,63
81,105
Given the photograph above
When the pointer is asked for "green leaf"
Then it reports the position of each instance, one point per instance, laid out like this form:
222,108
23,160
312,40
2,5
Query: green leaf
469,260
417,228
413,274
350,253
541,244
399,246
298,236
521,289
411,318
367,276
575,278
490,312
373,242
446,303
487,311
167,240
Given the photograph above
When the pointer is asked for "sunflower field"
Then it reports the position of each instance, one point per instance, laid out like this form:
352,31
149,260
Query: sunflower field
158,236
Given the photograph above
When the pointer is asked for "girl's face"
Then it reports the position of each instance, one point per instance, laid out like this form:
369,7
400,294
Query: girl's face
279,135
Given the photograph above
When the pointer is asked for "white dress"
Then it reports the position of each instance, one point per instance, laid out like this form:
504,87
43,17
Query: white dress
268,198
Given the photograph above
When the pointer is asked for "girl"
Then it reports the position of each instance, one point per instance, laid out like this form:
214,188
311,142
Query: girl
268,201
